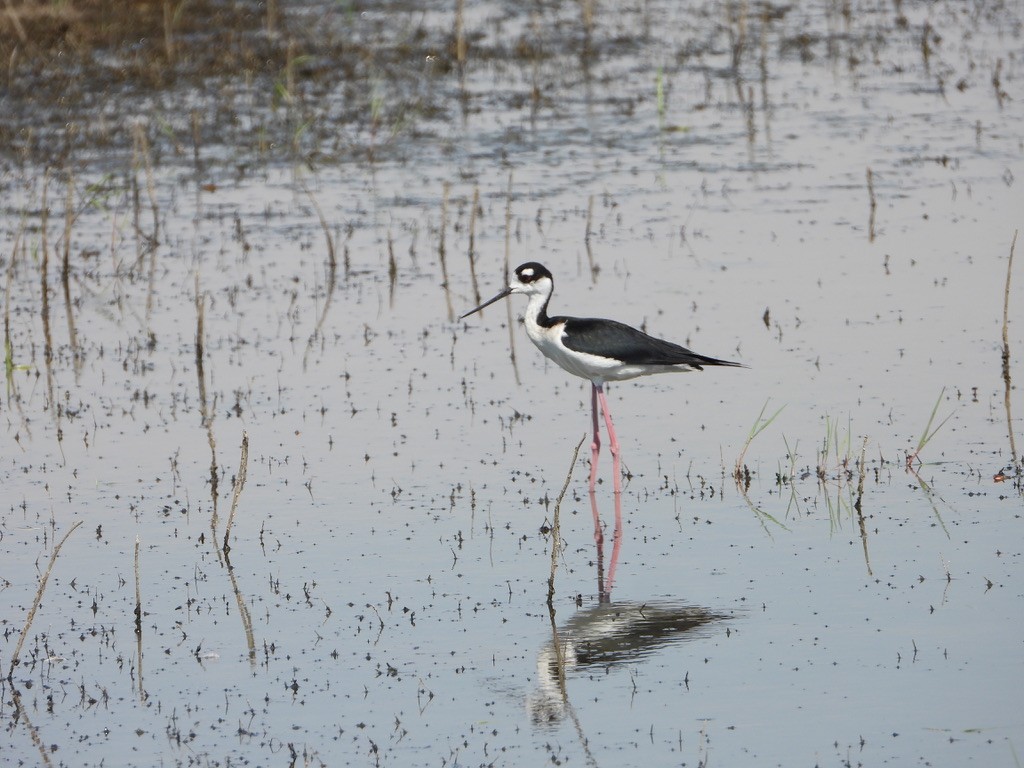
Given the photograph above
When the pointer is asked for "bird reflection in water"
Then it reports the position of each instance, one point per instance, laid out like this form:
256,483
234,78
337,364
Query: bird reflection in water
604,586
609,634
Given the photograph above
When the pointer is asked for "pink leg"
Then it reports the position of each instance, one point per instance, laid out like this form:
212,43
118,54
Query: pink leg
595,446
613,442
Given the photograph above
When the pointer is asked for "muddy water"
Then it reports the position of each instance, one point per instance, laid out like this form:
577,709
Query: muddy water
384,598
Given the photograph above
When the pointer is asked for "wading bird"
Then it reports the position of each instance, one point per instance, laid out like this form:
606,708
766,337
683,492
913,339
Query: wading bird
595,349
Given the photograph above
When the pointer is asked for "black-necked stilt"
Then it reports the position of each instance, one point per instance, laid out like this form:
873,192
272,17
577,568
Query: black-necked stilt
595,349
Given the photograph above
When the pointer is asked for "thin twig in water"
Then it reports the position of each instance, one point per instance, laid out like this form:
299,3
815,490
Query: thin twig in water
442,255
472,245
508,304
332,273
243,465
1006,353
556,527
872,205
37,601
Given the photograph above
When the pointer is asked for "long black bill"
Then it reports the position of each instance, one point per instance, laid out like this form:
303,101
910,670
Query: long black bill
499,297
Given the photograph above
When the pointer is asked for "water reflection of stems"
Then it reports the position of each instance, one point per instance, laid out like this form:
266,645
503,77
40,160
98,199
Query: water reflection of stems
204,408
243,607
243,611
21,714
857,505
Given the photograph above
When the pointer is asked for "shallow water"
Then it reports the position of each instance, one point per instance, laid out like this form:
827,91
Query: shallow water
385,596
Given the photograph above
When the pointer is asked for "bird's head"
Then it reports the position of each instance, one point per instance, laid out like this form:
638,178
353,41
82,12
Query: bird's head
531,279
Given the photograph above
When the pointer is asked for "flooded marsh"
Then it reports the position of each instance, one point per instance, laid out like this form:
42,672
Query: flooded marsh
268,501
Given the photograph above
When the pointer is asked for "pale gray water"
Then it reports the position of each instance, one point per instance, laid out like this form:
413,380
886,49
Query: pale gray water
388,547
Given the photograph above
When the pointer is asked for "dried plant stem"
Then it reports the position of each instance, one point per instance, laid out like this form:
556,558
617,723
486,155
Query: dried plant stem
1006,350
138,593
141,150
138,618
392,270
441,254
200,343
65,271
588,235
872,206
243,466
860,511
37,601
460,32
472,244
332,273
556,540
168,31
508,253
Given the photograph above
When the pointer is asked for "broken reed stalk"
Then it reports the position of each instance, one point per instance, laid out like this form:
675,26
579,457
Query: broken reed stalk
556,525
472,245
872,205
441,253
857,506
138,593
142,151
204,409
587,16
65,270
460,32
8,344
197,138
138,617
392,270
200,336
245,613
168,31
508,253
1006,351
37,601
44,278
587,235
243,467
271,17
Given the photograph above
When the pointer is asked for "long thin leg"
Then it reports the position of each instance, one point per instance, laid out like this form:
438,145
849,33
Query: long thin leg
613,441
595,446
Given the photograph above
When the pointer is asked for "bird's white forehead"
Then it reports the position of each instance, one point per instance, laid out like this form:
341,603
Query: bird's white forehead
528,272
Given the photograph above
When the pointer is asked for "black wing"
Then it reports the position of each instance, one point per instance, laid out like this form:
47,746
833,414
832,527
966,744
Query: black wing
610,338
